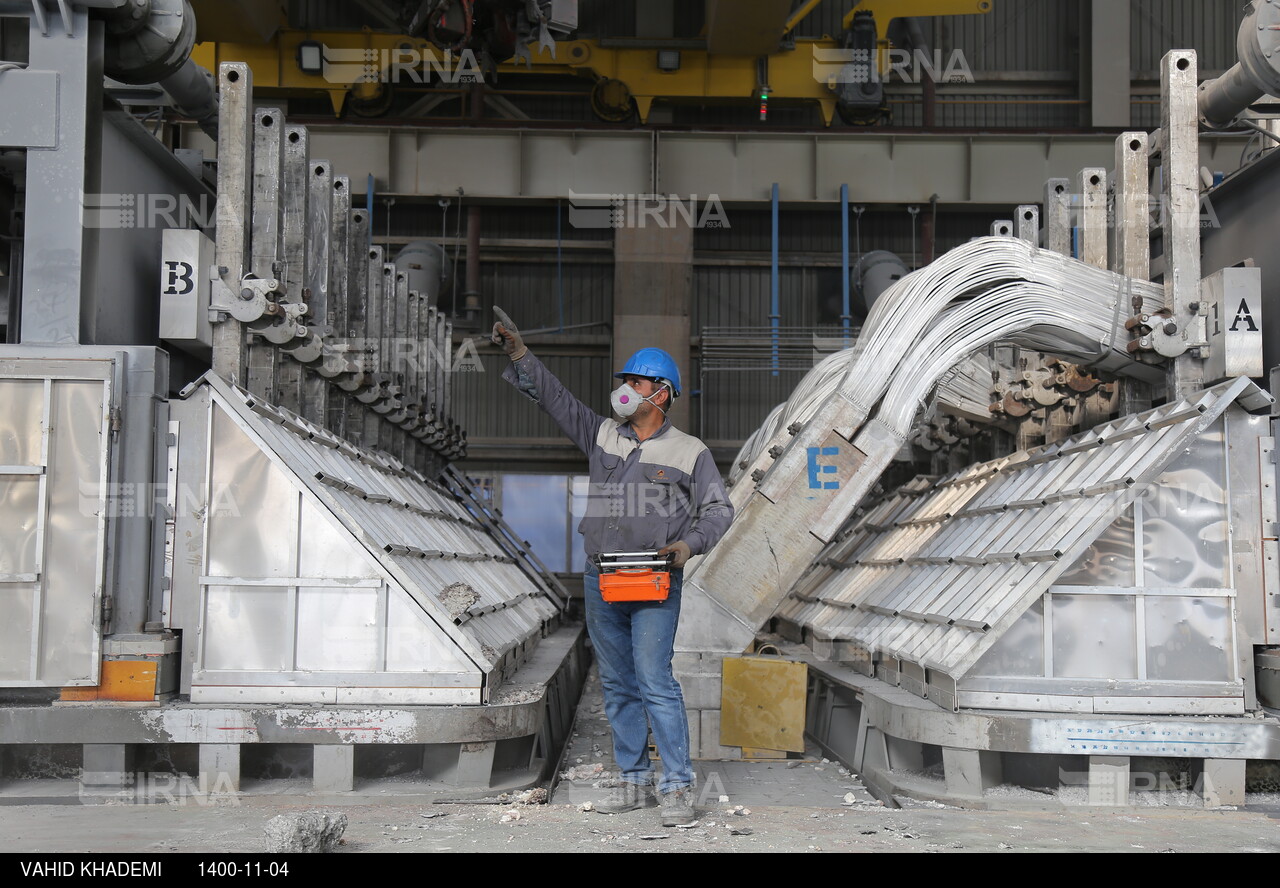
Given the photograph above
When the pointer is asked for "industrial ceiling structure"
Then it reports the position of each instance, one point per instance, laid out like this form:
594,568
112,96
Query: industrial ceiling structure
970,296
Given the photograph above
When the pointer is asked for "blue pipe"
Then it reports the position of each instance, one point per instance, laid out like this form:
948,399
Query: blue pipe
774,311
845,317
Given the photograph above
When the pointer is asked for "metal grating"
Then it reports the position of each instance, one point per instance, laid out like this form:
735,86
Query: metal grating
935,574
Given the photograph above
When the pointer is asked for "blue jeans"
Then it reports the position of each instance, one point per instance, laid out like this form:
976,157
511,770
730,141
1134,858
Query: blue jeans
634,642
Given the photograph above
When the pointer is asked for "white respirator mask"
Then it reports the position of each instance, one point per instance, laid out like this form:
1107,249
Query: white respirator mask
626,400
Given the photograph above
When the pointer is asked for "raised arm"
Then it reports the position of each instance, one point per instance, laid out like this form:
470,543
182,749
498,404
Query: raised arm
531,376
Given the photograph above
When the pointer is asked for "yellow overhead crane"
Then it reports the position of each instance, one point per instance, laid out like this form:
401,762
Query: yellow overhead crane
363,63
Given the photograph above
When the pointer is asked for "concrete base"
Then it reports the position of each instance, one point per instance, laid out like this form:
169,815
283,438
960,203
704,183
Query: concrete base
475,764
1223,782
699,676
512,742
896,741
220,767
710,738
1108,780
106,766
334,768
969,773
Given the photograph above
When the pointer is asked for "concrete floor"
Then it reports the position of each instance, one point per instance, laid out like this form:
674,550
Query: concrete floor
808,782
394,826
801,805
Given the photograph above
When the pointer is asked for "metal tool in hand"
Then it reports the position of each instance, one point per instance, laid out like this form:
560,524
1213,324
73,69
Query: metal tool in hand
507,324
507,336
633,576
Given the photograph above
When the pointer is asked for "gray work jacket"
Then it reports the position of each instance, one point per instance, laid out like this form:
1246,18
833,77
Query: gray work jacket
642,495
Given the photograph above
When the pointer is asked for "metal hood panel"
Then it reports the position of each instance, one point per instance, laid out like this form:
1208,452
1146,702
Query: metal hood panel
416,534
935,574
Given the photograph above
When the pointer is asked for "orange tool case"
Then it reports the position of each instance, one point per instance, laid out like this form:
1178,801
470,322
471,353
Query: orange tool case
634,576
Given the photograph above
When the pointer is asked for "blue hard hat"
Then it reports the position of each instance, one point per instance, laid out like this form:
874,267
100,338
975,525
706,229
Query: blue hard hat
653,363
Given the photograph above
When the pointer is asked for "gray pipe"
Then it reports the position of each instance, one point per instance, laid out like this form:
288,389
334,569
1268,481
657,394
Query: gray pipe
152,44
874,273
192,89
1255,75
1222,99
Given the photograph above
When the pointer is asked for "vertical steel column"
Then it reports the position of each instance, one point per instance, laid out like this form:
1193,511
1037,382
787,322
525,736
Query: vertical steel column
430,394
774,310
449,427
1057,216
357,332
404,342
1091,185
390,358
339,260
415,354
235,141
1132,254
293,203
59,252
357,274
1027,224
373,340
439,425
1093,235
315,388
430,367
471,295
265,261
929,233
1180,213
1058,200
559,267
845,316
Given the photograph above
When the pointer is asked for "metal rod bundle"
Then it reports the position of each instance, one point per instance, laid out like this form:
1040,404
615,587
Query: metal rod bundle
900,317
1023,311
991,290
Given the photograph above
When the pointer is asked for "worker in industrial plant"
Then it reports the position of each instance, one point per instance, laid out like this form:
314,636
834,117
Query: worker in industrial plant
653,488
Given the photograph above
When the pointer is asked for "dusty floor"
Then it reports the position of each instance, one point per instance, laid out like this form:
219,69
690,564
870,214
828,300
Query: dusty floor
396,827
805,805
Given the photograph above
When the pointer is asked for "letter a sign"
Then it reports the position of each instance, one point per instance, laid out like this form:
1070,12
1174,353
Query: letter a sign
1234,323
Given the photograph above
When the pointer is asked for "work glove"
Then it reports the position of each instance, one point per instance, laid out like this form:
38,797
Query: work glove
506,335
679,552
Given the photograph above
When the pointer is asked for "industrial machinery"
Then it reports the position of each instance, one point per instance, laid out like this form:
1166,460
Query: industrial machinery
240,535
187,574
1073,609
746,54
